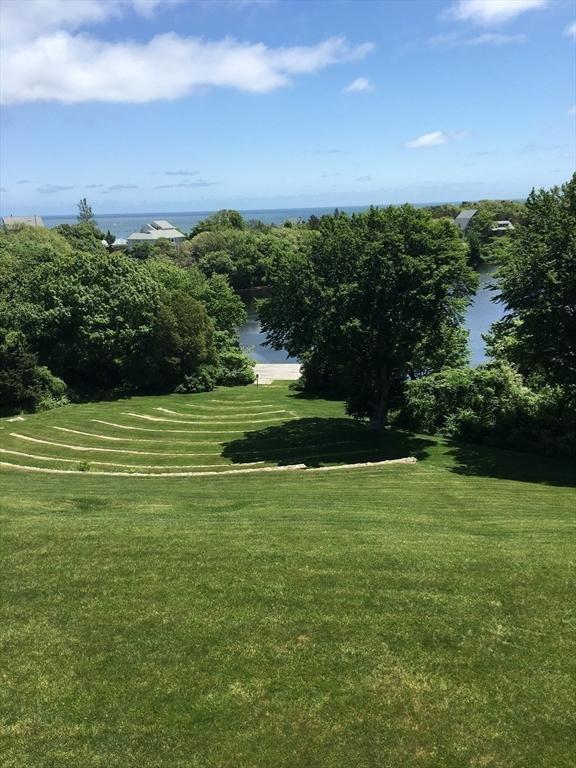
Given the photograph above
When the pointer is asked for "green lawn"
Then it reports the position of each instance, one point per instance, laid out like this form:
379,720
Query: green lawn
388,616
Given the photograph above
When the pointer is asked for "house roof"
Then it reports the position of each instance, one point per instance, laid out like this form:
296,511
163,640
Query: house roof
466,214
16,221
158,235
162,224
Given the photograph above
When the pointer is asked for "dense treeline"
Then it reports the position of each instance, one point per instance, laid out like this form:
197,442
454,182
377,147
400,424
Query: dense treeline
375,310
72,312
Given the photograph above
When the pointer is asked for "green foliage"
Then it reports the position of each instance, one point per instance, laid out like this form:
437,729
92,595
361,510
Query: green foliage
377,297
475,249
180,341
102,320
85,213
141,250
224,219
245,255
537,285
217,262
24,384
204,380
490,404
82,237
488,212
223,304
234,367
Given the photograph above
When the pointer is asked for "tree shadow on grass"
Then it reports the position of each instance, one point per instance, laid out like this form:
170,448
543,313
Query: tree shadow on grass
316,442
484,461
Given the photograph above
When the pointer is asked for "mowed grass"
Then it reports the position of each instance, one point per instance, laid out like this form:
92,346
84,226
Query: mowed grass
395,615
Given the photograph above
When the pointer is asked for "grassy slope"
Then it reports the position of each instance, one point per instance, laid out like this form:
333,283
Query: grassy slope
398,616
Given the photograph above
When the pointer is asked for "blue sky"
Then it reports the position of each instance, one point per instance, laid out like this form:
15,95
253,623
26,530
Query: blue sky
151,105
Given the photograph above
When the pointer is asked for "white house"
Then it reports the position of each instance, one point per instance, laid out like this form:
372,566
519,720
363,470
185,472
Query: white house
502,226
157,230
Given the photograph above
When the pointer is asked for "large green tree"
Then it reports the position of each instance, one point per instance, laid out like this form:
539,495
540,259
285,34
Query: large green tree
377,298
537,285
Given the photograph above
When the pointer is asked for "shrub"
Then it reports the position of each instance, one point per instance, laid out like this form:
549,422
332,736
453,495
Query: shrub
202,381
490,404
25,385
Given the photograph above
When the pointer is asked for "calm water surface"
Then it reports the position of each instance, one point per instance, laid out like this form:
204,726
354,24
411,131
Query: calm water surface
481,314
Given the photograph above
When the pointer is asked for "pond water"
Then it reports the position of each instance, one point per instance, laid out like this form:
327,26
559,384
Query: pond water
480,316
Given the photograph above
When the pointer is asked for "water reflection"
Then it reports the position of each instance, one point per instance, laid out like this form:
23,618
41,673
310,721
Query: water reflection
481,314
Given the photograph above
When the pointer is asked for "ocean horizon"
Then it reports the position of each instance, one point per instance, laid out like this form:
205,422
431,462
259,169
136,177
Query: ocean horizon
124,224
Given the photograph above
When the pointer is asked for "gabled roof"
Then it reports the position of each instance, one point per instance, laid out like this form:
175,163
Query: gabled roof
16,221
466,214
162,224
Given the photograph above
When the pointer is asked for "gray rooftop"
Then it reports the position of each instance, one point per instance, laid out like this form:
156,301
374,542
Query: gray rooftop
466,214
162,224
158,234
17,221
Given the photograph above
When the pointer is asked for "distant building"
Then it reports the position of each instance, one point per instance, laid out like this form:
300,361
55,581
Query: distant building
12,222
464,218
157,230
119,244
502,226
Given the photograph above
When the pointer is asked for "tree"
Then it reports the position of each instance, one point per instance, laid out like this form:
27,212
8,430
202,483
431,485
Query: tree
180,341
374,298
224,219
537,285
85,213
84,236
110,239
24,384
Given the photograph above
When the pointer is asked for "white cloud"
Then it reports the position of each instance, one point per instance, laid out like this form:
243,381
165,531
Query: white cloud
50,189
358,85
572,110
491,12
23,20
486,38
434,138
570,30
45,58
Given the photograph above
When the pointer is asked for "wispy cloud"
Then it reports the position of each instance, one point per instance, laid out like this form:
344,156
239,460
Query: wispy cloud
455,40
181,173
572,110
45,57
491,12
570,30
434,138
359,85
94,186
364,178
3,189
24,181
188,184
119,188
329,152
51,189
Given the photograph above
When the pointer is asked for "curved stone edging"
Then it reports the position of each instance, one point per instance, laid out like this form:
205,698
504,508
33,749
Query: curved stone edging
286,468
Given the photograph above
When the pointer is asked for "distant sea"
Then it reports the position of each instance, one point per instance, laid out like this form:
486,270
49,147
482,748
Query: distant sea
123,224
